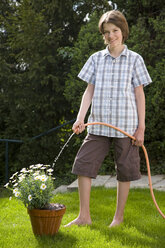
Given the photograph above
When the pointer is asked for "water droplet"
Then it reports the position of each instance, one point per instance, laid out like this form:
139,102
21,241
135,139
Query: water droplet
56,158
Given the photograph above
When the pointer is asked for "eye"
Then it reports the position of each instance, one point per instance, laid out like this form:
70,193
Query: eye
106,33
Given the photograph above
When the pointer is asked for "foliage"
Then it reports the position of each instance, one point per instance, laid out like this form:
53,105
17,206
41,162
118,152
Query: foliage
33,72
33,186
143,8
147,38
89,41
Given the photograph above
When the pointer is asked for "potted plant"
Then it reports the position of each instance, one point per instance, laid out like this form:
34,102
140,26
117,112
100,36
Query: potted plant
34,187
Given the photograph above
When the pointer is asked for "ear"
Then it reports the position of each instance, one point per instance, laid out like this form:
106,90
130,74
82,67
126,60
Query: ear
104,40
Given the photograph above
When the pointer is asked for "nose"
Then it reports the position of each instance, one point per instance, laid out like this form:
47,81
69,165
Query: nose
110,35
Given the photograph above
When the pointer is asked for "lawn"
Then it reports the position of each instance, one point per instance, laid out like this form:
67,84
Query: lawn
143,226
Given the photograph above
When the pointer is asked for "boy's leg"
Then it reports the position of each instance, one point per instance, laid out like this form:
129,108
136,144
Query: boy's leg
87,163
128,169
84,185
122,195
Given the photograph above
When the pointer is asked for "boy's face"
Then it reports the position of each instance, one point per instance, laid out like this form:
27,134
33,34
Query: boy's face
112,35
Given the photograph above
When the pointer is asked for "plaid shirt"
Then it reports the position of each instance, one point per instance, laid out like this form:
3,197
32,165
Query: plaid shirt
114,98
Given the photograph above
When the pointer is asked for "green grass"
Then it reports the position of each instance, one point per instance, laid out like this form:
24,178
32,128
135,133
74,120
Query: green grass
143,226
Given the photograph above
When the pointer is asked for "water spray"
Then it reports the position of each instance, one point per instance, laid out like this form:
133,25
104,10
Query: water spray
56,158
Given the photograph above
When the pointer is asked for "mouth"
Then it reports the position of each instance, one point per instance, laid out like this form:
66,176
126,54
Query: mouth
112,41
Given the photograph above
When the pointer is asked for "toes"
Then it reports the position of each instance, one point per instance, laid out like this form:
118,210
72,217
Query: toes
71,223
78,223
115,223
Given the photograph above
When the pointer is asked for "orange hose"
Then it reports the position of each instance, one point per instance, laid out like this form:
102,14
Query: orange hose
146,157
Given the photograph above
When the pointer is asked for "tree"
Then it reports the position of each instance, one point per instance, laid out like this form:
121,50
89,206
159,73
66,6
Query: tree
89,41
141,8
33,71
147,38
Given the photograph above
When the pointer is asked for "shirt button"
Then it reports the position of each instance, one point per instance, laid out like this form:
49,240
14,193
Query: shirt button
114,61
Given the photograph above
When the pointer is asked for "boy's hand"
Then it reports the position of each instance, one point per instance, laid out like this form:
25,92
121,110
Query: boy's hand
139,136
78,127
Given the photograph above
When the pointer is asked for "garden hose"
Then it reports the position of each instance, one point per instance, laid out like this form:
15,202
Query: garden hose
146,157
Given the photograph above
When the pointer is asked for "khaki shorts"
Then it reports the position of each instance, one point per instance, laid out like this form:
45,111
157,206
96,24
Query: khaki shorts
93,151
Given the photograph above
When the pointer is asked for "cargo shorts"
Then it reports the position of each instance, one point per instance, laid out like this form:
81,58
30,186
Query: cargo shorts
95,148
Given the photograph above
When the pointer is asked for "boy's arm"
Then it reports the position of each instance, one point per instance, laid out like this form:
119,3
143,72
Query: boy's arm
140,102
78,126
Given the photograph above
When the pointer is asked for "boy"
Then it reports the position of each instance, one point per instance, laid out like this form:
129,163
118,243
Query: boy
115,78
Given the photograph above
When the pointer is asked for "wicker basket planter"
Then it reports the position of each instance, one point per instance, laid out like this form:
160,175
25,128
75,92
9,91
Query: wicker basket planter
46,221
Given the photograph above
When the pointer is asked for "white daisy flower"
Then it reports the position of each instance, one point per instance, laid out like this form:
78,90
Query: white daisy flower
15,190
30,197
10,198
50,170
31,166
21,178
39,165
15,184
43,178
24,170
37,177
13,175
36,173
17,193
43,186
6,185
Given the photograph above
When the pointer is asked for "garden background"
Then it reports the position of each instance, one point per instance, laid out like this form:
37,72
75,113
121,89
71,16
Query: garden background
43,45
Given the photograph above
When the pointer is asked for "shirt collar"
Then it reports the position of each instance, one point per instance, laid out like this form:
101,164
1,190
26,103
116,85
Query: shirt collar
124,52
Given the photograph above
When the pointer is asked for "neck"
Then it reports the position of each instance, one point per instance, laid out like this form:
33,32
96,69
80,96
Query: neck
116,51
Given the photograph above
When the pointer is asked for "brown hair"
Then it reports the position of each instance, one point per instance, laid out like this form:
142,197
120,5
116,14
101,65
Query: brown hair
118,19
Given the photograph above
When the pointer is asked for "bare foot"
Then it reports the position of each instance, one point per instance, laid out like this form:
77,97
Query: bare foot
78,222
115,223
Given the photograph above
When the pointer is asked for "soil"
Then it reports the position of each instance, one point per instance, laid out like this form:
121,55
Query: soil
53,206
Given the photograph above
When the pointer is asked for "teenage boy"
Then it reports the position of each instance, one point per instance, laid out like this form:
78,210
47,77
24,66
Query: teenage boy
116,77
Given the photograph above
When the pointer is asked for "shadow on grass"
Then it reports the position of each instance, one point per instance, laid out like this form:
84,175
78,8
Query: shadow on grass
57,240
135,232
143,226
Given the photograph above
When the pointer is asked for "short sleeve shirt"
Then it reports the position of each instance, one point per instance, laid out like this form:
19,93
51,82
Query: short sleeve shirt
114,99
